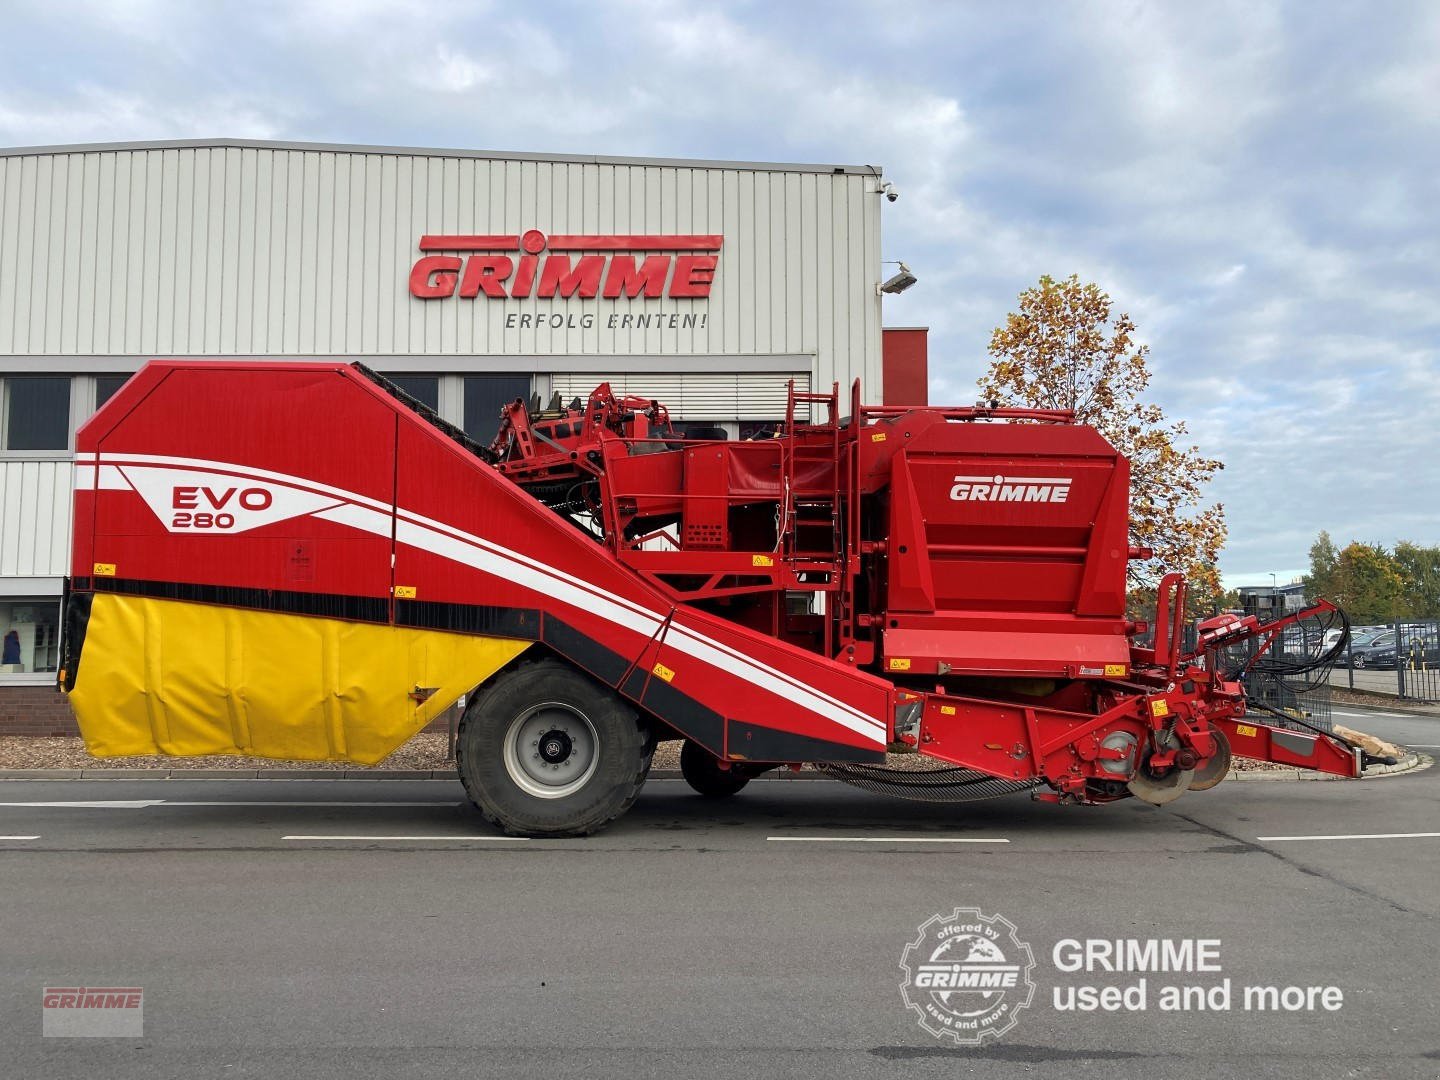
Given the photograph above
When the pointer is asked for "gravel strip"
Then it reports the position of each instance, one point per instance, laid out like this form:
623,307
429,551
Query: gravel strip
425,751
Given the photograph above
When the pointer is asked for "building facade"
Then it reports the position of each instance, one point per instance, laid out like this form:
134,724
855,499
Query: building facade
471,278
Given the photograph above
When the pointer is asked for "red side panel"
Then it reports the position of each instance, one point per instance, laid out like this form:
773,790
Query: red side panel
1007,548
308,488
182,493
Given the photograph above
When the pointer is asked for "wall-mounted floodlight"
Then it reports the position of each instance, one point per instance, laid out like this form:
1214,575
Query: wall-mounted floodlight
899,283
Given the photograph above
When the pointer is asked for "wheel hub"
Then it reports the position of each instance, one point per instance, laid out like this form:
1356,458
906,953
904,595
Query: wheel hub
555,747
551,750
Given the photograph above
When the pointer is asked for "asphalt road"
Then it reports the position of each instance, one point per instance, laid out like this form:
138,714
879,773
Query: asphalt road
1420,731
1420,684
759,937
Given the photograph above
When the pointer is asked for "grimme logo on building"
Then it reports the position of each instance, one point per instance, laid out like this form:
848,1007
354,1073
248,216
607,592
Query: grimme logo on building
534,265
967,976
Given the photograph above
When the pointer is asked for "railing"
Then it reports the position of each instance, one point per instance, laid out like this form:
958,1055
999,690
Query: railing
1402,659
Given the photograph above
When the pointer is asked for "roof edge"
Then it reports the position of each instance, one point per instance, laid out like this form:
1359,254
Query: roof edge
418,151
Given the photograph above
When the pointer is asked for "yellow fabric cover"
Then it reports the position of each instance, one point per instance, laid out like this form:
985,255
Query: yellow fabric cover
185,679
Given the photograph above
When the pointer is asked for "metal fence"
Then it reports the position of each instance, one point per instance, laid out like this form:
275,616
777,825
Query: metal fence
1300,701
1401,659
1304,705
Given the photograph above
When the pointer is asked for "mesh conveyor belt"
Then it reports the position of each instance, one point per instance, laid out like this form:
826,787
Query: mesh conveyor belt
947,785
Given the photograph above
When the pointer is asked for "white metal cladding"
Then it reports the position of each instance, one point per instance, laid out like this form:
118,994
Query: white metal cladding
696,395
235,250
35,501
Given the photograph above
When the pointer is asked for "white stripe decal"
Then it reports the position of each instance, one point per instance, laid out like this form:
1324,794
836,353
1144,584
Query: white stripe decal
525,560
687,640
415,530
526,576
247,471
549,583
708,651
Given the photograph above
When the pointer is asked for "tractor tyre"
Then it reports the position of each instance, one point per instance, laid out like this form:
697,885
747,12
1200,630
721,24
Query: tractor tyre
545,751
703,773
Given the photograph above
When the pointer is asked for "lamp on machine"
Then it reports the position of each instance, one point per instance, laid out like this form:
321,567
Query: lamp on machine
899,283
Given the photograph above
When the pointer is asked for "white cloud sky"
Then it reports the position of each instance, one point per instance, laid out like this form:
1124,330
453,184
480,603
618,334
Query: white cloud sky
1254,182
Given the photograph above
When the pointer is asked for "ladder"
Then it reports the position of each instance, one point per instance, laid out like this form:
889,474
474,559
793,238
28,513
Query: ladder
810,525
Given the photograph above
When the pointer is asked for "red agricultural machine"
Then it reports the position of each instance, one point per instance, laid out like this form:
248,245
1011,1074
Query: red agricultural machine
296,560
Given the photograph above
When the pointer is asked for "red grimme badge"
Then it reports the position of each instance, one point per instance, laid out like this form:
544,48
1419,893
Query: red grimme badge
566,266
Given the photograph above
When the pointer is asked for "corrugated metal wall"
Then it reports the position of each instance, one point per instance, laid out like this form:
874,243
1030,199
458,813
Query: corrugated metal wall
35,518
726,395
107,254
272,251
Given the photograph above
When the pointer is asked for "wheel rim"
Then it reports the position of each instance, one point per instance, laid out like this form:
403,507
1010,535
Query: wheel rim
551,750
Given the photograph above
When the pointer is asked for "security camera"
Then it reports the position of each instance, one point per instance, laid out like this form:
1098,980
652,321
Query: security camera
899,283
888,190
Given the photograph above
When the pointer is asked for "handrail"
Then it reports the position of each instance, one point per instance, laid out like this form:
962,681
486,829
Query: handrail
975,412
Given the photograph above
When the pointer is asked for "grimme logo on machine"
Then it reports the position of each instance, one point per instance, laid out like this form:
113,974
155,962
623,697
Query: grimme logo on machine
565,266
1042,489
967,976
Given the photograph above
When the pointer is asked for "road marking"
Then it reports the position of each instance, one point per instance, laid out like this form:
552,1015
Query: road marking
446,803
141,804
1423,746
1357,836
19,838
521,838
888,839
111,804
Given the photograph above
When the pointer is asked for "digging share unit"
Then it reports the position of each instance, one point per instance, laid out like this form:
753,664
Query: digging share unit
295,560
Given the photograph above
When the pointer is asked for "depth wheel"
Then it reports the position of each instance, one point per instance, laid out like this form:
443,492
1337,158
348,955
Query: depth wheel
703,773
1210,772
1162,789
543,751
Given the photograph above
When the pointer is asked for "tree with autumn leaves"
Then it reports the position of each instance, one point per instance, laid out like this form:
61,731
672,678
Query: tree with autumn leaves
1374,584
1063,349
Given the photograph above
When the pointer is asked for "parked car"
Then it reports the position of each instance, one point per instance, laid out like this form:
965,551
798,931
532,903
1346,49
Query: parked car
1415,650
1362,648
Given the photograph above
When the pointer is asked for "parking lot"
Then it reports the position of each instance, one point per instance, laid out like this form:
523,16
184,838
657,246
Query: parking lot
1423,684
358,929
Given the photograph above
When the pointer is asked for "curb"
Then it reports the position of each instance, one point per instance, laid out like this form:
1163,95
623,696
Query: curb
1411,762
305,774
228,774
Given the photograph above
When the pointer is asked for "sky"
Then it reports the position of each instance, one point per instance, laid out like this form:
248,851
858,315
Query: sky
1254,183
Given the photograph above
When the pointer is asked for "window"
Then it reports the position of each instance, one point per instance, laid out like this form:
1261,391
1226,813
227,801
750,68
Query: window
37,412
423,388
105,387
30,633
702,429
759,429
484,397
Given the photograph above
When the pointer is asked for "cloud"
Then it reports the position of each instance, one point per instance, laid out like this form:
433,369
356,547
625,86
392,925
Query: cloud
1253,182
